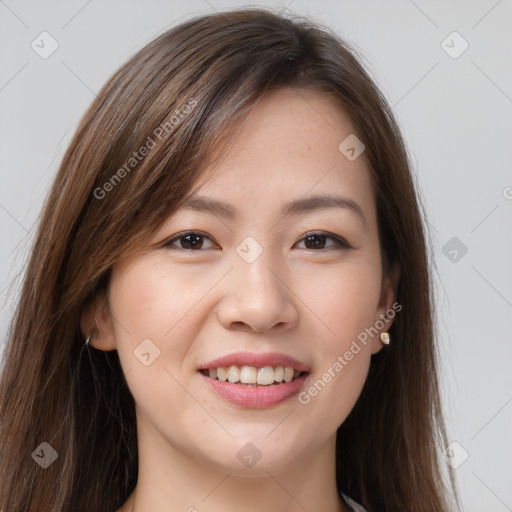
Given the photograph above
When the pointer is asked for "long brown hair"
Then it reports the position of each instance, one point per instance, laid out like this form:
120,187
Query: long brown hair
178,97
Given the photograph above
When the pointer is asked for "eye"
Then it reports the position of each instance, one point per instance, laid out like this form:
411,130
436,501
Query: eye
317,241
188,241
194,241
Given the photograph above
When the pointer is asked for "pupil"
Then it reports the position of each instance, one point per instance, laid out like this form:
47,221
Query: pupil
318,243
195,241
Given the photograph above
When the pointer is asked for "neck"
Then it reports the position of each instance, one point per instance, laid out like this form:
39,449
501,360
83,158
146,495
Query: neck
170,480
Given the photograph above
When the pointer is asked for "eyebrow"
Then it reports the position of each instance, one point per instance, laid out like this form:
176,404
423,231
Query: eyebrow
295,207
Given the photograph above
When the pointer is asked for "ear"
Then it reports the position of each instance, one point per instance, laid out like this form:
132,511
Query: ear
97,320
383,320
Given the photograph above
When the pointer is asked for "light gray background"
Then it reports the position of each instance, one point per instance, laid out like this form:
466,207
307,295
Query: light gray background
456,118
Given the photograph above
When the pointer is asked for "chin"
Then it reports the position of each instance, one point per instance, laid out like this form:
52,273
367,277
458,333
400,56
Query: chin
254,457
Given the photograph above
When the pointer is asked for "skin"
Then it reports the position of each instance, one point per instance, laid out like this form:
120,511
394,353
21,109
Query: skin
310,303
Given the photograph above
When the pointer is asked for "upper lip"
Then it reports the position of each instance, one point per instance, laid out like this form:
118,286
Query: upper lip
257,360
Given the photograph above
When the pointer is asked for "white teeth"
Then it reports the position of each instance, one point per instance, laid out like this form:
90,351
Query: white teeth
288,374
233,374
248,375
266,376
222,374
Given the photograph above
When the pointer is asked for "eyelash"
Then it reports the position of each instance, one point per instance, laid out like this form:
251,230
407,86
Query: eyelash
339,242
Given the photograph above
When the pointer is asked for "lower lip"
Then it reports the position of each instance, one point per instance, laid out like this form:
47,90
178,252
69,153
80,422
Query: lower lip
256,397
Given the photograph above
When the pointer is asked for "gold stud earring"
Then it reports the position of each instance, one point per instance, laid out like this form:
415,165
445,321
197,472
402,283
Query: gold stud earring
385,338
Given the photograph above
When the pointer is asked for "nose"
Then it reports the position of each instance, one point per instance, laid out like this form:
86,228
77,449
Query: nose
259,296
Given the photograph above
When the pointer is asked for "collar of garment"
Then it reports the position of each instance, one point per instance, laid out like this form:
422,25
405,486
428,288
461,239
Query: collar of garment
354,507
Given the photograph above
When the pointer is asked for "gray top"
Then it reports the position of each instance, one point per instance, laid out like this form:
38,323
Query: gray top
354,507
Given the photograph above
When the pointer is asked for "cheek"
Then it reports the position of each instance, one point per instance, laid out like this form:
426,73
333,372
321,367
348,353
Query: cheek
345,303
152,302
344,300
154,318
150,309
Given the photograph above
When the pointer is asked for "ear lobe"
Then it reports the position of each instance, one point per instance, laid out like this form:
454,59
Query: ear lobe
95,320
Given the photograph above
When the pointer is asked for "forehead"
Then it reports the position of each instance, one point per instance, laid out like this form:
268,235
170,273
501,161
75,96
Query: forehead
285,149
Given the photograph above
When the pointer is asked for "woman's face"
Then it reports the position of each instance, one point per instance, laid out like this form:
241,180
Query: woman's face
266,282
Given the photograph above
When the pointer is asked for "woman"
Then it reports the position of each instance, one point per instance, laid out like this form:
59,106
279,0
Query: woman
227,302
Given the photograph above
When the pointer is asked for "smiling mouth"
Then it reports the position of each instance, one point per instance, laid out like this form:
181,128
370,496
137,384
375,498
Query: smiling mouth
254,376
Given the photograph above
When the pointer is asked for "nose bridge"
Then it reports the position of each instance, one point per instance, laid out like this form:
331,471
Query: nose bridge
258,296
257,278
